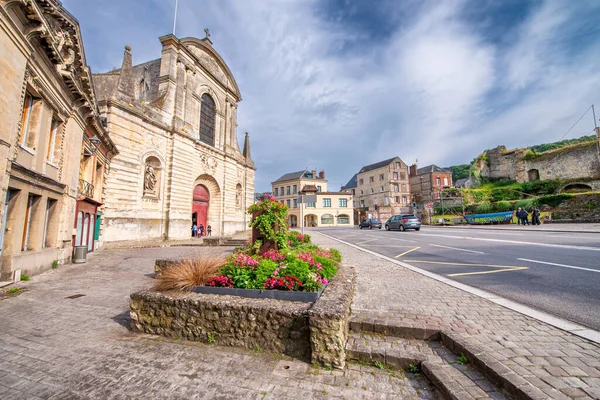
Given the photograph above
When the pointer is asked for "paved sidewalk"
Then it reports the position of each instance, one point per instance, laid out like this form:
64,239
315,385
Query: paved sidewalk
67,337
560,364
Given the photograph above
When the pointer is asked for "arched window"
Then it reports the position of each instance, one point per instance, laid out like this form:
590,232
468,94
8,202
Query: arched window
343,219
327,219
152,174
207,120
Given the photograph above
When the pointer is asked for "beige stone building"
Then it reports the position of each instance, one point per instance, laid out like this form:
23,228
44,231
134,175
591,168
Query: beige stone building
329,208
174,120
383,189
51,127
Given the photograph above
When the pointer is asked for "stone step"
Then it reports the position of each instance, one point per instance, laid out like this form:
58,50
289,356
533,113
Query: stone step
454,380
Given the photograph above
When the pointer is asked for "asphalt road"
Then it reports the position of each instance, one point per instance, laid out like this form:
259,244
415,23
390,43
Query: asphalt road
554,272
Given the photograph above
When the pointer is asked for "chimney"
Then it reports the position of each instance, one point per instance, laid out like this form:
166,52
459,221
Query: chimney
125,85
314,173
413,170
322,174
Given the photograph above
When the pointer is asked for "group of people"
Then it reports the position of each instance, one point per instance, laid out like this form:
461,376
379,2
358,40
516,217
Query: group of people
523,216
198,231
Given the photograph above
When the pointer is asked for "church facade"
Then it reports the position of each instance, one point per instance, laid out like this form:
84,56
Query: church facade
174,120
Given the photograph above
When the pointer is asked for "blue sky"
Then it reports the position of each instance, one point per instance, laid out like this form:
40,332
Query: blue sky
339,84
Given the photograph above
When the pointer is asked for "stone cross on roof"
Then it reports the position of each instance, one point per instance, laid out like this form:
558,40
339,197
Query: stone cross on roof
207,33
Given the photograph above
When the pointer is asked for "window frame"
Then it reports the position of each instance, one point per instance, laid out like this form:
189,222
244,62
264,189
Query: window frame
208,120
327,202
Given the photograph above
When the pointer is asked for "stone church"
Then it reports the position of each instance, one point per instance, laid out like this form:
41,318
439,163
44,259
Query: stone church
174,121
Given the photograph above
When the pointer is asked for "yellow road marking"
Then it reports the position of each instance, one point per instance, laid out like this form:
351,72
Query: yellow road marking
501,268
366,241
504,269
406,252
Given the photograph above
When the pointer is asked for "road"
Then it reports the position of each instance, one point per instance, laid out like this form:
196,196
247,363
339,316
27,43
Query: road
554,272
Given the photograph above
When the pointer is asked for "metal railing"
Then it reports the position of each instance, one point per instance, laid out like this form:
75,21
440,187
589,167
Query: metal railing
86,188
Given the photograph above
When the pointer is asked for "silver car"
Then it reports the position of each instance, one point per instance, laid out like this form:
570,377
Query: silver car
403,222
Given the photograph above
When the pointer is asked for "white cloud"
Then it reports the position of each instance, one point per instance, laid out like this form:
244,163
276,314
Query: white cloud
320,93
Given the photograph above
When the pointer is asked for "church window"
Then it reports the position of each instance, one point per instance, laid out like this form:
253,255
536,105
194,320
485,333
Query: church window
207,120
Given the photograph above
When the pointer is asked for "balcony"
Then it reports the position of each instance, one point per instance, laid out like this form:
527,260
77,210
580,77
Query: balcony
85,189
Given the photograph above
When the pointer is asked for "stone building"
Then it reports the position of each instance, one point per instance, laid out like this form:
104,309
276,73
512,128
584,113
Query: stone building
50,126
427,183
174,120
383,189
578,165
327,209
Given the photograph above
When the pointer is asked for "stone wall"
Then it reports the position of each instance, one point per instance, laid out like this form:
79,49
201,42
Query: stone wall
574,162
307,331
265,324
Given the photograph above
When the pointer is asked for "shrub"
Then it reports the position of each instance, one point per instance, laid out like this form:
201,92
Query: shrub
483,207
54,264
296,239
503,206
188,273
526,203
554,200
25,277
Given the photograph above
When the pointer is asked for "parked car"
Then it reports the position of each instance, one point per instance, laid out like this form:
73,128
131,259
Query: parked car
403,222
370,223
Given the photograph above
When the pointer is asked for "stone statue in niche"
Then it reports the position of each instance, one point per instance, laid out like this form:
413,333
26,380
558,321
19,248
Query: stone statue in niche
149,180
238,196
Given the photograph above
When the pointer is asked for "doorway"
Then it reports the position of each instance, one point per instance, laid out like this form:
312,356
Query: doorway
200,204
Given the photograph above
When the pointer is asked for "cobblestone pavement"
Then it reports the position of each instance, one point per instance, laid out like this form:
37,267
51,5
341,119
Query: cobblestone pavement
562,365
57,344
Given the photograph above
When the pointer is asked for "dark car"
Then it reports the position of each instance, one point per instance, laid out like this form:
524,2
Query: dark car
370,223
403,222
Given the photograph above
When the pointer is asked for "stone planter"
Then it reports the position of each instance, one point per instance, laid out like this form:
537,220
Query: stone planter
305,297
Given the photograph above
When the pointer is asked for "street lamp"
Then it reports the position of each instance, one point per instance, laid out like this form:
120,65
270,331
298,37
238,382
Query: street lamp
94,144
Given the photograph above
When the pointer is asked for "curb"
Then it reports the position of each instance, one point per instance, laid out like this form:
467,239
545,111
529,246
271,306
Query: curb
565,325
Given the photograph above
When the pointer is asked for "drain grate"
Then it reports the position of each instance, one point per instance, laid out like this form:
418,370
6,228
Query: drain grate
75,296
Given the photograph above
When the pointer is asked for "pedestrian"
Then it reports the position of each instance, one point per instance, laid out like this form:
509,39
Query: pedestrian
518,215
524,217
535,216
208,230
194,230
201,230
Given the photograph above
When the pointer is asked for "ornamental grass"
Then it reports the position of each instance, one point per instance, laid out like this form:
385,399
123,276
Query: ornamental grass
188,273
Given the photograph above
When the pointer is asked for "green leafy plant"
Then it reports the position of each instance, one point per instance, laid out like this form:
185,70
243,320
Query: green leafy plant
210,338
484,207
462,359
414,369
13,290
270,218
378,365
25,277
54,264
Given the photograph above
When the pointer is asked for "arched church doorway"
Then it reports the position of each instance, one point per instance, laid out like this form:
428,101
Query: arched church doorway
201,201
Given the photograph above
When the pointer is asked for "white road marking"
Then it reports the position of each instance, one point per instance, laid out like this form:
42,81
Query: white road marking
456,248
559,265
561,246
481,233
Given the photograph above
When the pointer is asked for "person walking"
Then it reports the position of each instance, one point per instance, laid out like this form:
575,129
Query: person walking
201,230
518,215
194,230
208,230
535,216
524,217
